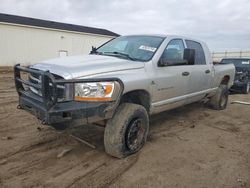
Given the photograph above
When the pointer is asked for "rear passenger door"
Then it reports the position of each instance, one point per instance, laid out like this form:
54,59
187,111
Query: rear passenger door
200,75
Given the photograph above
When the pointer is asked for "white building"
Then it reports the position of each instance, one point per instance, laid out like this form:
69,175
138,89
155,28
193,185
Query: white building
27,40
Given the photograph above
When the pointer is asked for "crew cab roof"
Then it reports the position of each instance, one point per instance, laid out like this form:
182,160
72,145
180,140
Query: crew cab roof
166,36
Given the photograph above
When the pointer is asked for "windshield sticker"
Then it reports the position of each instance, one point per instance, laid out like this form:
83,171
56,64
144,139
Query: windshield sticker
245,63
148,48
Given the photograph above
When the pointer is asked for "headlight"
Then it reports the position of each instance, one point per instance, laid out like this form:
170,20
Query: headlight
96,91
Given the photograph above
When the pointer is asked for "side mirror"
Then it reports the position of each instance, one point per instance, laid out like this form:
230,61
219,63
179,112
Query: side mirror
189,56
162,62
93,50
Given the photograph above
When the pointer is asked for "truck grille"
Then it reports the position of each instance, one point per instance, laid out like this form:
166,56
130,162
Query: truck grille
36,79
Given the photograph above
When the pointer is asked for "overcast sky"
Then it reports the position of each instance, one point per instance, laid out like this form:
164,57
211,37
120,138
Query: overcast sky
222,24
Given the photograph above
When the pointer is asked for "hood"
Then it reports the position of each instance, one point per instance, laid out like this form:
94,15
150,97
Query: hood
86,65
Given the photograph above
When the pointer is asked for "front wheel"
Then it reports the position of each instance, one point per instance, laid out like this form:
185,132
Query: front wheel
127,131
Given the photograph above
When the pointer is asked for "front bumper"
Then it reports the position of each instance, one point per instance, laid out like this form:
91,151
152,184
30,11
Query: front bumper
50,111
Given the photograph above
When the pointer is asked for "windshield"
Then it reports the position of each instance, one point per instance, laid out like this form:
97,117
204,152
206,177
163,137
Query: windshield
240,63
137,48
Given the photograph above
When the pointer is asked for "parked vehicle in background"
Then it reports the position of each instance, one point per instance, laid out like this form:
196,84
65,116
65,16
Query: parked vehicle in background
121,84
242,73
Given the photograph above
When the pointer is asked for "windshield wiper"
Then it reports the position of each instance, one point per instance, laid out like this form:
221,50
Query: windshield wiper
121,54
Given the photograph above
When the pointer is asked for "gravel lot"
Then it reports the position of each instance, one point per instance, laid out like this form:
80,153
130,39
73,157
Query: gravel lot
192,146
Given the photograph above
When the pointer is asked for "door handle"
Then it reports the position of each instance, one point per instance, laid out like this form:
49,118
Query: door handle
207,71
185,73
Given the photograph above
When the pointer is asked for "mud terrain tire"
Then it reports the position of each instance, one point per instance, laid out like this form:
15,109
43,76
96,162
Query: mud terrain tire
127,131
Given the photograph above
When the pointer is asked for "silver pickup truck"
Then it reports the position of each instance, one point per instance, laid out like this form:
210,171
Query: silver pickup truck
121,83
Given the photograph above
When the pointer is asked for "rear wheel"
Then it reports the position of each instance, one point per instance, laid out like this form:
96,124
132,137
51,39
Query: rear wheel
220,99
127,131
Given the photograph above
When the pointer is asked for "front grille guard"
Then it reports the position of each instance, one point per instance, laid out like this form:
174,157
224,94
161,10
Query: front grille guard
48,98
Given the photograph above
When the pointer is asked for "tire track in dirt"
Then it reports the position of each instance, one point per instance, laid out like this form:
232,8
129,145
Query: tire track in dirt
114,167
28,148
41,158
71,174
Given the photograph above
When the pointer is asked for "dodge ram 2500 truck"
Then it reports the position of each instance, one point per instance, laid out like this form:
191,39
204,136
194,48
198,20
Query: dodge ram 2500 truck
121,84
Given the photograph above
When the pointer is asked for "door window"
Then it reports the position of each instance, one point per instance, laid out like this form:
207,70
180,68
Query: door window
199,52
174,51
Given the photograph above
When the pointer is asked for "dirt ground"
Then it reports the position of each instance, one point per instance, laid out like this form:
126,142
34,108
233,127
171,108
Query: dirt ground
192,146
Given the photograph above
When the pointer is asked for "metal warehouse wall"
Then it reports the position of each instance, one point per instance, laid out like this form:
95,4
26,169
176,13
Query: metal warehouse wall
28,45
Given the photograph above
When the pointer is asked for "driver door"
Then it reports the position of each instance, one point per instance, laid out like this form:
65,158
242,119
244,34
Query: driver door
171,81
